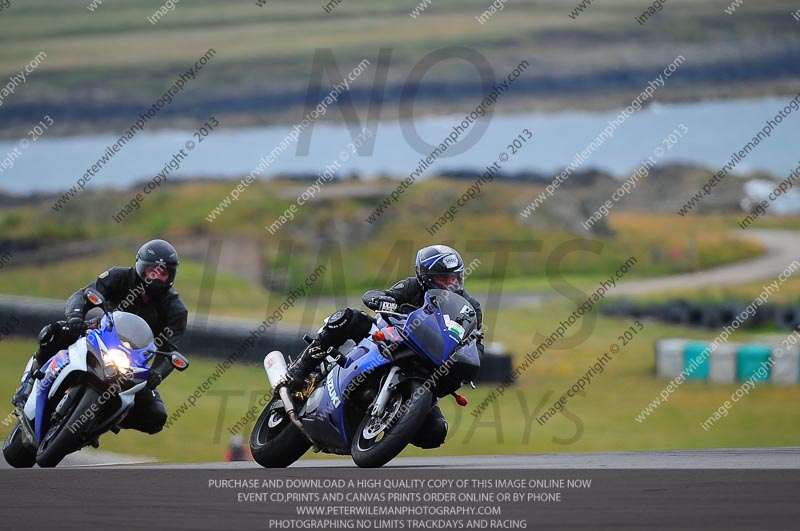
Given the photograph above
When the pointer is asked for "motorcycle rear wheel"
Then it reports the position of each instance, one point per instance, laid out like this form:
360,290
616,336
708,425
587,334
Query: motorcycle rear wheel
275,441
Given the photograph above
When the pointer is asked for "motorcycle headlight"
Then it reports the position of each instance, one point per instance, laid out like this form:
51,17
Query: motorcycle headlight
117,358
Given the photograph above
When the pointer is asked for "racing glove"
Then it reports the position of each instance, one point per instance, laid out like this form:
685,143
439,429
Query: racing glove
76,325
383,302
157,374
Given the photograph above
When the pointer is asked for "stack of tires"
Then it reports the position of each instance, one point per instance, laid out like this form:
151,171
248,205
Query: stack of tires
787,317
496,364
710,316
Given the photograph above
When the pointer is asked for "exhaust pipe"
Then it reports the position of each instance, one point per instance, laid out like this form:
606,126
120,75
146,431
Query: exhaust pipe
275,365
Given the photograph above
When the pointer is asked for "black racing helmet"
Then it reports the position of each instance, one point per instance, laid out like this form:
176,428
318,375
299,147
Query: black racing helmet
156,266
440,267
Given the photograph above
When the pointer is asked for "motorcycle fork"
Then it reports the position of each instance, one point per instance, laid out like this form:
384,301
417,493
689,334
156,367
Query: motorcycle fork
28,434
392,379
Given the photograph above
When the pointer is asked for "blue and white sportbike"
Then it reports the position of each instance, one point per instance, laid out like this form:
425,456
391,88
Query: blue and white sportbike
86,390
370,402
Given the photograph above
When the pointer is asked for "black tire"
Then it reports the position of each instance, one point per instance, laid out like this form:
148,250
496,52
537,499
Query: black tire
677,313
712,317
16,453
279,445
373,452
728,312
622,308
765,315
58,441
786,318
694,316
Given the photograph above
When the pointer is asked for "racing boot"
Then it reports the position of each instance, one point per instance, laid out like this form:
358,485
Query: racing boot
433,431
300,368
28,376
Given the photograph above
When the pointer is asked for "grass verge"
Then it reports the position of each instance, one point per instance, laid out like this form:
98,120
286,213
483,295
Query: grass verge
604,419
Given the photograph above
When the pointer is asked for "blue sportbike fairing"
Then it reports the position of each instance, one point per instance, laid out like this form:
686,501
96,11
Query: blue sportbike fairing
435,332
121,346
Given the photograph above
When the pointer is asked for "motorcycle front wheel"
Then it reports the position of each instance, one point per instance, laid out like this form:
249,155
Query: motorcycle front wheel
16,453
65,434
378,440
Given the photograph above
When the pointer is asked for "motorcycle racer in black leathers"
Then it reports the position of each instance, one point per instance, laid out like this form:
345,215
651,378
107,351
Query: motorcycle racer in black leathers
145,290
437,267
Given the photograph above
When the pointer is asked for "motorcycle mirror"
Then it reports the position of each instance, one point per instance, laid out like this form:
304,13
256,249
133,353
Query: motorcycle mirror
179,361
176,358
94,297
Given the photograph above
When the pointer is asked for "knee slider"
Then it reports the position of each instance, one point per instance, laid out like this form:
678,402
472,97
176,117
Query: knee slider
361,324
156,421
343,325
432,434
439,431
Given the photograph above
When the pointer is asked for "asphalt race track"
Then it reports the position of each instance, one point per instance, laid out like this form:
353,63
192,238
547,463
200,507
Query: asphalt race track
753,488
723,458
761,458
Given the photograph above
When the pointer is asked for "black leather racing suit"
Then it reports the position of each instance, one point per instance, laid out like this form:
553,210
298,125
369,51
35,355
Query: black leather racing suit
125,291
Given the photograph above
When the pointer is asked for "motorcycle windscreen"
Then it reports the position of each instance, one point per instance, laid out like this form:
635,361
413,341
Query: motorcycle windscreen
441,324
132,332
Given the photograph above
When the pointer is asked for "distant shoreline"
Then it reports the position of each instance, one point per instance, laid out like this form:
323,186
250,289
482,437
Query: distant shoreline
75,118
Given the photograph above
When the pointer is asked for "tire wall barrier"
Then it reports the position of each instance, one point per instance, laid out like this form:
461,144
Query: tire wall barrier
709,316
216,340
728,362
495,368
